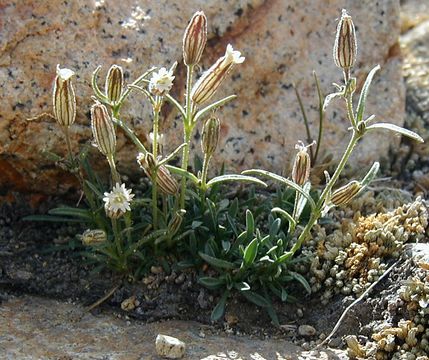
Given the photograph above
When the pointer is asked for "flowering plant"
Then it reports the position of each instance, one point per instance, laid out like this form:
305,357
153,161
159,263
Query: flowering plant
128,232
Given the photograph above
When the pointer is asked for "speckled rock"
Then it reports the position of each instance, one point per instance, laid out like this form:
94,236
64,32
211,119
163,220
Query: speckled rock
39,328
283,41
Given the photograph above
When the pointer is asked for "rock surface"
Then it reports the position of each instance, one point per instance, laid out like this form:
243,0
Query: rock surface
37,328
283,41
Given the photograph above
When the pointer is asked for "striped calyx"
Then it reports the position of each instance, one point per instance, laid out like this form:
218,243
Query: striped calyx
345,46
176,222
103,130
94,237
210,138
64,99
165,181
195,38
210,81
345,193
114,84
301,165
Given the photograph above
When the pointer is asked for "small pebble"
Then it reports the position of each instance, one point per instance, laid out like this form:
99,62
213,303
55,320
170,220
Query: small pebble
169,347
306,330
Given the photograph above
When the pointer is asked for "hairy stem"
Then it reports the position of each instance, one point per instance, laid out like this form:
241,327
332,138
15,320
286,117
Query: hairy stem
156,110
320,204
187,132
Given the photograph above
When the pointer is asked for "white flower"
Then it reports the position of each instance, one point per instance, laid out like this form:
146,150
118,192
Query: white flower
117,202
160,138
162,81
233,56
210,81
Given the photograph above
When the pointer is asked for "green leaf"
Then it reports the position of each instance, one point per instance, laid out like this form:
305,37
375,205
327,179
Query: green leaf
372,173
218,263
284,257
302,280
274,228
329,98
70,211
219,309
256,298
250,223
364,93
213,106
233,209
98,93
285,214
184,173
50,218
398,129
234,177
284,295
302,201
226,245
282,180
273,315
94,189
171,156
211,283
174,102
242,286
250,252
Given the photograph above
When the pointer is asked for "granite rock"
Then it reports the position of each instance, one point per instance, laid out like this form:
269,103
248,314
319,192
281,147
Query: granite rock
283,41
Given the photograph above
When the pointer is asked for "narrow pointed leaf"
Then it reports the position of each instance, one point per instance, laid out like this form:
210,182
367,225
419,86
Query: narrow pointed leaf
256,298
235,177
371,174
242,286
302,280
397,129
70,211
211,283
250,252
282,180
98,93
219,309
184,173
364,94
285,214
213,106
302,201
219,263
172,155
329,98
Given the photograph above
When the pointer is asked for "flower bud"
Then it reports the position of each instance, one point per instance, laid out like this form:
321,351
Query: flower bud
94,237
114,84
345,46
195,38
345,193
103,129
210,81
175,222
64,98
210,137
165,181
301,165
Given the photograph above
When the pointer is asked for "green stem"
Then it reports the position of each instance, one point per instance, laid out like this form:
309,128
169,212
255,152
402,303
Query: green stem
187,132
350,114
128,224
156,110
116,179
204,172
320,204
117,236
69,148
